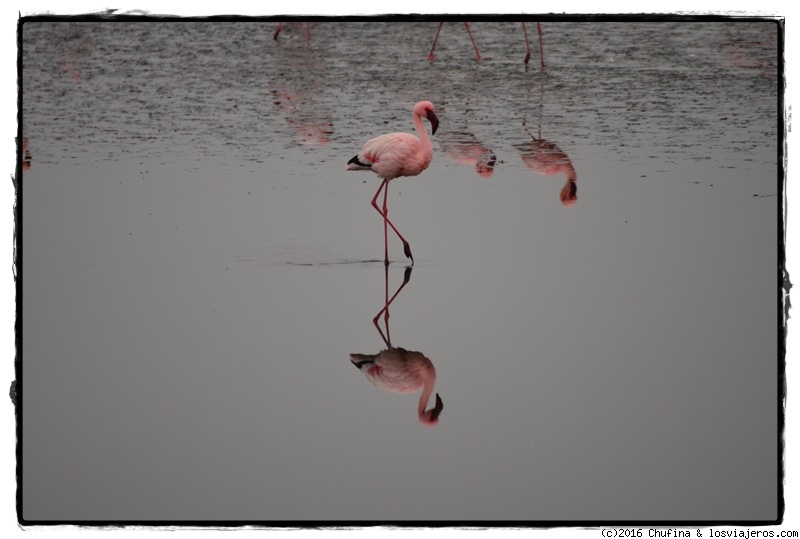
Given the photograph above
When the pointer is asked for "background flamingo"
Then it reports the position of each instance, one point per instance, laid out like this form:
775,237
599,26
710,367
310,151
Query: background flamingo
397,154
478,54
280,25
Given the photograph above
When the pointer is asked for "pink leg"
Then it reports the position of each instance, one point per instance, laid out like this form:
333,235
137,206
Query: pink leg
527,44
466,25
278,31
386,235
385,311
406,246
430,54
308,31
541,48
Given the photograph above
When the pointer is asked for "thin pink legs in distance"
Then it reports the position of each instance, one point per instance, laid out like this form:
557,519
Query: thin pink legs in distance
478,54
466,25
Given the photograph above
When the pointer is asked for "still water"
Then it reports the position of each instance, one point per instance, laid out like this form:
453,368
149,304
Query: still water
594,286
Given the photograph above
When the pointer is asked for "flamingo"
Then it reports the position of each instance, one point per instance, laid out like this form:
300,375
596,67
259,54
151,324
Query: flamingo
478,54
280,25
399,370
394,155
402,371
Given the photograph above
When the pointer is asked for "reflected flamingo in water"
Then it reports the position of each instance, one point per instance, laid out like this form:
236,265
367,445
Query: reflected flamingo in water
465,148
26,155
544,157
398,370
310,126
394,155
478,54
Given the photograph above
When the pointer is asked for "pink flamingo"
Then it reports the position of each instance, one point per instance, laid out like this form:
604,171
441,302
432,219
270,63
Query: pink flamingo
394,155
478,54
26,162
280,25
399,370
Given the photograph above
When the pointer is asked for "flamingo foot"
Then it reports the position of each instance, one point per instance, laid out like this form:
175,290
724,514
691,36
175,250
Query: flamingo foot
527,58
431,57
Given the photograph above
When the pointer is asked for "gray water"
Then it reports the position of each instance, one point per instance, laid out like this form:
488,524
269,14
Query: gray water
198,266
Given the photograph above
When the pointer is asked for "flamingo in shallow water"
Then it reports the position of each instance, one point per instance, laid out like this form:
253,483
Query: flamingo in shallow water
397,154
280,25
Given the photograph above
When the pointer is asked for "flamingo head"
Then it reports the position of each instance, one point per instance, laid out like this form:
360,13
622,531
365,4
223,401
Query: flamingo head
569,194
424,109
430,417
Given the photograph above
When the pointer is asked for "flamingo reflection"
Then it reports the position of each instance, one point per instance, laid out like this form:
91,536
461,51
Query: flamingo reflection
544,157
399,370
465,148
311,126
26,155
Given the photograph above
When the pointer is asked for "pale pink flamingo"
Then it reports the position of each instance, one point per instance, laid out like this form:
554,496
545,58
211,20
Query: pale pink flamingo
280,25
394,155
399,370
478,54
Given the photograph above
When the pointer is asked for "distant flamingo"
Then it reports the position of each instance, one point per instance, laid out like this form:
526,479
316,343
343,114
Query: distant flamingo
394,155
280,25
399,370
478,54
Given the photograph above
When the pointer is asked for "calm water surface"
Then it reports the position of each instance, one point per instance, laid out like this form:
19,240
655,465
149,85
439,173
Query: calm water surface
198,267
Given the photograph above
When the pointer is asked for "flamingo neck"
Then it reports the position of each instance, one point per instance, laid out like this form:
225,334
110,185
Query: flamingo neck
572,175
422,134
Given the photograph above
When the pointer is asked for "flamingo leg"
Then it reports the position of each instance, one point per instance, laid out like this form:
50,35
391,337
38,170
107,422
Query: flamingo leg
406,246
466,25
308,32
278,31
541,48
386,237
387,301
430,54
527,44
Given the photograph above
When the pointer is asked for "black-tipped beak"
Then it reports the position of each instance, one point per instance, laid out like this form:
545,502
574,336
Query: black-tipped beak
433,120
437,409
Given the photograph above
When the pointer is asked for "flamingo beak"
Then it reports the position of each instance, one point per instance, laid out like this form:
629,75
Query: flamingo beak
437,409
433,120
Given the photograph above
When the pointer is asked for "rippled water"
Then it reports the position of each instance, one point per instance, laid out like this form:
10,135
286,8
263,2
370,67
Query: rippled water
594,280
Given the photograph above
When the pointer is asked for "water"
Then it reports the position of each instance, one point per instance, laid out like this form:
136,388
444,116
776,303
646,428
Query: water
198,267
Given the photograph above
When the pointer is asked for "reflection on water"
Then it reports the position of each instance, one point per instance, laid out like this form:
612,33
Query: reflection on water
399,370
311,126
26,155
544,157
463,147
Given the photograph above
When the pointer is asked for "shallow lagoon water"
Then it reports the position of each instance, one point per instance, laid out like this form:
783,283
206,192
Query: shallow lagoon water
198,266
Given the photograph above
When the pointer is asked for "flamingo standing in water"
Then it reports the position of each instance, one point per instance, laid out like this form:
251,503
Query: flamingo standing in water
280,25
394,155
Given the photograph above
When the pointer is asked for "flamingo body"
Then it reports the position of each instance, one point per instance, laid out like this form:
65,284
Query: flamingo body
402,371
394,155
